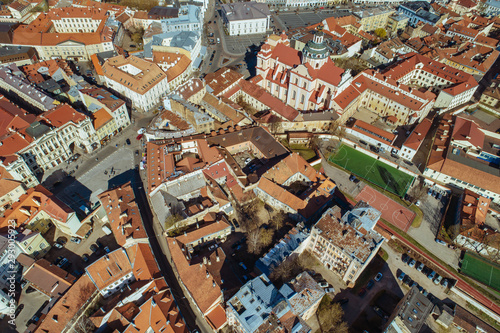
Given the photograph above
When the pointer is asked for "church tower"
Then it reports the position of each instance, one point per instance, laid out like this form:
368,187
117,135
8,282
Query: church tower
316,51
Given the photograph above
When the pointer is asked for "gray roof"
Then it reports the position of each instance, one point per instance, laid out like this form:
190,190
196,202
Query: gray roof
413,311
8,50
281,251
246,11
185,39
8,75
258,298
362,216
158,11
37,129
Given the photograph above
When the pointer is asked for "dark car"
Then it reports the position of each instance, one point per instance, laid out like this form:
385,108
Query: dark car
88,233
127,141
19,309
94,248
85,257
344,301
99,244
236,223
405,258
370,284
363,142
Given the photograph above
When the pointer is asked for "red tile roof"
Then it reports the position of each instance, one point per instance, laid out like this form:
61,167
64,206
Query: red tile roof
468,130
418,135
123,214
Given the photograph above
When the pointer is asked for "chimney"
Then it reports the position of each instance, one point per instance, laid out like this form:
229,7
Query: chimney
208,274
205,260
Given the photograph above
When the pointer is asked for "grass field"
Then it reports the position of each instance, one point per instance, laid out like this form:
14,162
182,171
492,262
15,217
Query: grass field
373,170
481,270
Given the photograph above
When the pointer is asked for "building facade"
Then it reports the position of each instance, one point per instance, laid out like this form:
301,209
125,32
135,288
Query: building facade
246,18
340,245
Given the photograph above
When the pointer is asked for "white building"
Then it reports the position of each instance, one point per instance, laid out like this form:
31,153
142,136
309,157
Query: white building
304,80
346,244
246,18
189,19
415,140
141,81
67,33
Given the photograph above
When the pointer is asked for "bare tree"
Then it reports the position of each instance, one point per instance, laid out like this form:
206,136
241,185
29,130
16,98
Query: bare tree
259,238
84,325
330,316
278,220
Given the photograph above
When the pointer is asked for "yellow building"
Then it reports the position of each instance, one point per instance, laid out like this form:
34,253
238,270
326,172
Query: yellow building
374,18
491,96
104,124
32,243
397,22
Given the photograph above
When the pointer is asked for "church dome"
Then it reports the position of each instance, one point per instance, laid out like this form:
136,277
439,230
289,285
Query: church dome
316,48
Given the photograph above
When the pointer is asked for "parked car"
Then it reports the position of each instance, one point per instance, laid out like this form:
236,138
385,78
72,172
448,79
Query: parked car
420,266
405,258
378,277
58,260
363,142
344,301
87,235
76,240
440,242
444,283
425,292
438,279
93,248
127,141
62,263
408,280
370,284
213,247
323,284
107,250
412,263
85,257
329,290
58,246
99,244
431,275
61,240
19,309
401,276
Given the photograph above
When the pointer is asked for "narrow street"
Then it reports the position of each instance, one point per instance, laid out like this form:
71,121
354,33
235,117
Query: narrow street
160,250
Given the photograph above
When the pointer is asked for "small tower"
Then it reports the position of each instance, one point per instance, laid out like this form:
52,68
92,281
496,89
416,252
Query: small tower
316,51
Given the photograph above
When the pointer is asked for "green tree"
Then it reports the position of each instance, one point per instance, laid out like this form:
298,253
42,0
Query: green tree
381,33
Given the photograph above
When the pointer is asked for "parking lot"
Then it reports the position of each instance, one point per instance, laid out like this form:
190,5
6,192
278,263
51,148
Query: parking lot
291,20
368,306
33,303
240,44
74,251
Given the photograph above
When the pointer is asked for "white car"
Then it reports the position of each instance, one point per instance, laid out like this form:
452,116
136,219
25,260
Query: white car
438,279
141,130
378,277
323,284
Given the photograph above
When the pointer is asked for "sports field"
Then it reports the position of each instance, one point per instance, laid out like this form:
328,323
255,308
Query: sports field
373,170
481,270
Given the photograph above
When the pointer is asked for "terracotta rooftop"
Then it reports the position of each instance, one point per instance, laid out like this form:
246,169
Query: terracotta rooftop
418,135
222,80
200,283
123,213
105,97
468,130
48,278
29,204
100,118
66,307
148,75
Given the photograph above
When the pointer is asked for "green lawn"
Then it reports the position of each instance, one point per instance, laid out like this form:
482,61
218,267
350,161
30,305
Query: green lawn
307,153
372,170
481,270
